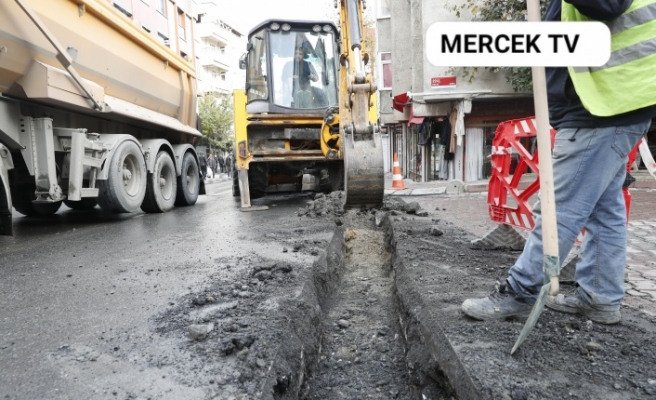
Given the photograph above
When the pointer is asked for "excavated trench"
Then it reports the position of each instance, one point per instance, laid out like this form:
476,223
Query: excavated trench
362,344
365,345
369,347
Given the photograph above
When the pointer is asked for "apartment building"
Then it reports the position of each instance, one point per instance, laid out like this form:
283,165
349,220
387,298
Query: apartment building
440,123
169,21
221,45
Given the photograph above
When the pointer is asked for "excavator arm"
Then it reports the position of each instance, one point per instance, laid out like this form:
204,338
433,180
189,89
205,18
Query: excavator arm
361,140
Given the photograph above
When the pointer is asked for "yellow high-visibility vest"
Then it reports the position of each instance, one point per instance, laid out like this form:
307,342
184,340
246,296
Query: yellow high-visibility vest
627,81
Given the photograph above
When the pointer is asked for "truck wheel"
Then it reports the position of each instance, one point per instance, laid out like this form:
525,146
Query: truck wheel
22,196
125,187
161,187
258,179
188,182
87,203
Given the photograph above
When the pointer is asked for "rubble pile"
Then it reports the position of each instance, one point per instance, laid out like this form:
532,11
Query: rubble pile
323,205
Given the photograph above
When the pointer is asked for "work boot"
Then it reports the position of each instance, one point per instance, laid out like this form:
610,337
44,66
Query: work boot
574,304
500,304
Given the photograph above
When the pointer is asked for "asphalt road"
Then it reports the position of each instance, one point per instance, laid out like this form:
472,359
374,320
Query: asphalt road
79,292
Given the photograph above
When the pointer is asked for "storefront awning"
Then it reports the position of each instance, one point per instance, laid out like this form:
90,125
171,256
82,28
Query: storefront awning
401,100
413,119
416,120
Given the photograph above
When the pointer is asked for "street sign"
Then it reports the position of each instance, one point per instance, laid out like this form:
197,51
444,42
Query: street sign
440,82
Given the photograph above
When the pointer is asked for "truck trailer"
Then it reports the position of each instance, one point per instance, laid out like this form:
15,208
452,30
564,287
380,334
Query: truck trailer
94,110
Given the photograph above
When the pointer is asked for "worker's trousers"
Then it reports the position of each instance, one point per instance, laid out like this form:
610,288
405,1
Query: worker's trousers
589,166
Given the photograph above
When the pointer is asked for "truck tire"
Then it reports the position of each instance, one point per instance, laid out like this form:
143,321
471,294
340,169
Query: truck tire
87,203
188,182
125,187
22,196
258,179
161,186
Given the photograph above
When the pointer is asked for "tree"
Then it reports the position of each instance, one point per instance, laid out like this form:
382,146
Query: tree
500,10
369,39
216,118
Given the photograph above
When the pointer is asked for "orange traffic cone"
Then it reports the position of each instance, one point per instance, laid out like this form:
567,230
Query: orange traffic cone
397,176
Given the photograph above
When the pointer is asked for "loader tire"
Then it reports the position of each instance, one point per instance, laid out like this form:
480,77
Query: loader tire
235,184
258,179
335,178
235,178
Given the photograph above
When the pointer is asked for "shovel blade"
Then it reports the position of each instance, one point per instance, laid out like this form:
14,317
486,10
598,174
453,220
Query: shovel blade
532,317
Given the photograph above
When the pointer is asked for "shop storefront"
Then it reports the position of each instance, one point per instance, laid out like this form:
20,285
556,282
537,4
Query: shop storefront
430,148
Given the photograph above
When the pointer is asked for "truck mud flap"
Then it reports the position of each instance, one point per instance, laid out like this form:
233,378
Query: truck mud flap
201,187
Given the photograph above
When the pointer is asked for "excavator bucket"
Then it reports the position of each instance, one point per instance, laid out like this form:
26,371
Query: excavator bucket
364,178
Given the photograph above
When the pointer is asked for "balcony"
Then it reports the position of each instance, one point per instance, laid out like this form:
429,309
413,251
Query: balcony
214,58
215,86
213,31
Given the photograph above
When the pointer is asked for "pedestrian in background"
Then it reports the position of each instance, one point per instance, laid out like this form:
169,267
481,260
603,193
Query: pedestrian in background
221,164
228,164
600,115
213,165
202,161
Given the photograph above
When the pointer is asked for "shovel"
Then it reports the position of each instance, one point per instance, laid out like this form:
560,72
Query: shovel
550,260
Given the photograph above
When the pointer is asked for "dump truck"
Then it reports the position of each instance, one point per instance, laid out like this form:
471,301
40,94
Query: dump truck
94,110
307,120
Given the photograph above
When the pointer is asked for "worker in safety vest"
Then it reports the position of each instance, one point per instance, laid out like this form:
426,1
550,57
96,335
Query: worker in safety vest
600,114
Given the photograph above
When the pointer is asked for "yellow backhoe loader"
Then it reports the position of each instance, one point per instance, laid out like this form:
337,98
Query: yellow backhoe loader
307,118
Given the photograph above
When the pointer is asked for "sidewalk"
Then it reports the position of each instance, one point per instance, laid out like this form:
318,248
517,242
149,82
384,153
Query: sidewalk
217,178
466,206
435,274
643,181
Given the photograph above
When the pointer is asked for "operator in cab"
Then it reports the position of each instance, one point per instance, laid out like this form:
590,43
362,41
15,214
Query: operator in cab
301,72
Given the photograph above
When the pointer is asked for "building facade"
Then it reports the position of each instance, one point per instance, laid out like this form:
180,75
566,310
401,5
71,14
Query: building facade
172,22
221,45
440,124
